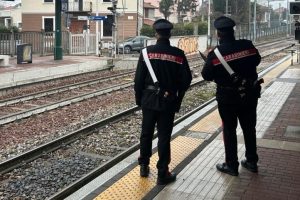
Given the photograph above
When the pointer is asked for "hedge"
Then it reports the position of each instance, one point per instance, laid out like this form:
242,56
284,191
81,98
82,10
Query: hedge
178,30
4,29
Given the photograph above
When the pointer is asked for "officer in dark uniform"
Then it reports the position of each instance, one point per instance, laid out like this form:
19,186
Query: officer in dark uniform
174,76
234,105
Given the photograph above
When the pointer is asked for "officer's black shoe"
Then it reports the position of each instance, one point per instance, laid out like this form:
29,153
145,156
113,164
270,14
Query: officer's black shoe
168,178
251,166
223,167
144,170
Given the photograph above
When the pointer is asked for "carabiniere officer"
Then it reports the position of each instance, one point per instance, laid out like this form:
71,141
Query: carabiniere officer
243,58
174,77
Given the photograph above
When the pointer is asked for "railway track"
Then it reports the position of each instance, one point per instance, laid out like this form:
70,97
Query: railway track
18,108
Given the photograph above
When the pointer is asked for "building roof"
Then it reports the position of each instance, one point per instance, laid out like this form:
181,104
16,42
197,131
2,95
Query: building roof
149,5
9,4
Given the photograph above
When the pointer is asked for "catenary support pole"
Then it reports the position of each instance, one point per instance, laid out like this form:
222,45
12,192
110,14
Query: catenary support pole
58,47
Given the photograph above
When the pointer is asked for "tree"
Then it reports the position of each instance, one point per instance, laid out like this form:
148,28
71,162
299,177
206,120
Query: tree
165,7
219,6
184,6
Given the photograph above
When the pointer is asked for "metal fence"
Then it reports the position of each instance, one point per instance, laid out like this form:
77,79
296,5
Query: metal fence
82,44
43,43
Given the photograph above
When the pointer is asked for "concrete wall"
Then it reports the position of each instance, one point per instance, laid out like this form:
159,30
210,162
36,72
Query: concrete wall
189,44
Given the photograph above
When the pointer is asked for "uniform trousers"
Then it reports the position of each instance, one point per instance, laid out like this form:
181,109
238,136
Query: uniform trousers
244,112
164,121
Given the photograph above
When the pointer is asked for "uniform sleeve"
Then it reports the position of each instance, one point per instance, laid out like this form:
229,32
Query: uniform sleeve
208,68
139,80
186,75
184,83
257,58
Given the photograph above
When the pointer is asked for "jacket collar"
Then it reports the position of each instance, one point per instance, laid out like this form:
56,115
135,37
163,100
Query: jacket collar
227,40
163,41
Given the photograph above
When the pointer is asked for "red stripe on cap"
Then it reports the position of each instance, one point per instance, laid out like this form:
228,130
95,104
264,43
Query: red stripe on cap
235,56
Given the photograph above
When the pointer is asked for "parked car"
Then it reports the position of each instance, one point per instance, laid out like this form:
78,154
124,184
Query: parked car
133,44
283,22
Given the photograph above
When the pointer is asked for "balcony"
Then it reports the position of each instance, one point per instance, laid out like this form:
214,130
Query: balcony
79,7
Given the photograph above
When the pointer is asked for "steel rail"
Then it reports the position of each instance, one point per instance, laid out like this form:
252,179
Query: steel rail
107,68
31,96
40,109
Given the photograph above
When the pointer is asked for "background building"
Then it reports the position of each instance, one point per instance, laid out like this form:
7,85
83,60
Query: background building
41,16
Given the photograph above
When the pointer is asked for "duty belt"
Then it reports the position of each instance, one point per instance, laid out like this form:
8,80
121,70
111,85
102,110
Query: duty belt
151,87
226,87
157,89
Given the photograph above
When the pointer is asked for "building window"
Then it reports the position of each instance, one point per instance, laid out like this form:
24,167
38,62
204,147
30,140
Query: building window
107,26
48,1
7,22
146,13
106,0
48,24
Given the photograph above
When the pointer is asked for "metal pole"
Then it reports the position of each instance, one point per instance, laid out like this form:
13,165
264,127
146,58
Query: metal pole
249,26
254,22
58,48
287,18
97,29
269,15
226,8
208,24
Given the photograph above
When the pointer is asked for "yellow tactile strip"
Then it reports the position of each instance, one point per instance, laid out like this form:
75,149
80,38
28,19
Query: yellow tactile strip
132,186
274,73
209,124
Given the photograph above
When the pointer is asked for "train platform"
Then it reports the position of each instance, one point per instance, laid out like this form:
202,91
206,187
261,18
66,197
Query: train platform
197,147
45,68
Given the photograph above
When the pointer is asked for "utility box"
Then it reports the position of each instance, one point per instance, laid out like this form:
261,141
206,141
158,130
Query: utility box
24,53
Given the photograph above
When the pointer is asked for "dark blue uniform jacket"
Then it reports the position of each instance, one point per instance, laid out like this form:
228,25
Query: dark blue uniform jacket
243,58
171,69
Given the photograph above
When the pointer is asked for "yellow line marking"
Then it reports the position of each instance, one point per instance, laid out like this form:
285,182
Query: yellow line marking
274,73
132,186
208,124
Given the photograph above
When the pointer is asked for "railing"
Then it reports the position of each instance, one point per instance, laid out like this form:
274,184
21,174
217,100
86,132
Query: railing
82,44
80,6
259,34
42,42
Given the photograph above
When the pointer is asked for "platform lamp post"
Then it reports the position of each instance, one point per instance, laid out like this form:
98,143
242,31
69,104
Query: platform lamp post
97,28
287,18
254,21
58,48
249,16
226,9
208,26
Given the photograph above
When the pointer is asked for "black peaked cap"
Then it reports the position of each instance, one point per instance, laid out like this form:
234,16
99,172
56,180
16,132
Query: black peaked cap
162,24
222,23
